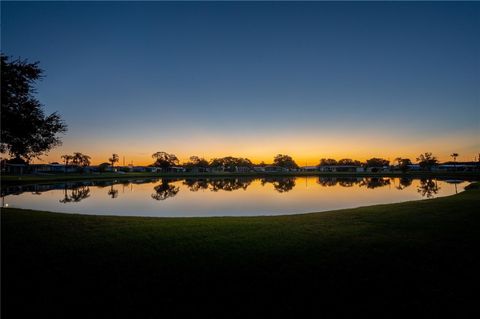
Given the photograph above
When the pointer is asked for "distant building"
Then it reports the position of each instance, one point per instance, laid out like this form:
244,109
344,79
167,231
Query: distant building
174,169
151,169
15,169
243,169
378,169
414,167
456,167
341,168
275,169
196,169
52,168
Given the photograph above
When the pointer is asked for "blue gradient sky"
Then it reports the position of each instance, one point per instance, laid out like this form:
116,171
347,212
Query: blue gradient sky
256,79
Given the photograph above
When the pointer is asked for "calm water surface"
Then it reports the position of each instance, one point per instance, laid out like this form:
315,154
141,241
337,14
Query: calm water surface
243,196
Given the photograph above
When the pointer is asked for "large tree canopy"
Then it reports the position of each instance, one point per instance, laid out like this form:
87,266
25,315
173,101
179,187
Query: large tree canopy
377,162
26,132
230,163
284,161
164,160
427,160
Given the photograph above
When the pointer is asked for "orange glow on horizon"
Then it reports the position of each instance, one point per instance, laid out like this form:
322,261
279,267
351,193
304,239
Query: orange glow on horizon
306,148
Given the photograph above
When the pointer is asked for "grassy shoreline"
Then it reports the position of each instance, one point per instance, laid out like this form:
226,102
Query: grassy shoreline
414,257
31,179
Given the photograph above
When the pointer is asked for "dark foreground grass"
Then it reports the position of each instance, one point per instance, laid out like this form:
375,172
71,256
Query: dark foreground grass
414,258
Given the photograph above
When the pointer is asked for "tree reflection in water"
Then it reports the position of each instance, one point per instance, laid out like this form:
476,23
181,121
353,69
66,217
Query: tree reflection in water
164,190
374,182
428,187
230,184
327,181
77,194
342,181
281,185
113,193
404,183
348,182
196,184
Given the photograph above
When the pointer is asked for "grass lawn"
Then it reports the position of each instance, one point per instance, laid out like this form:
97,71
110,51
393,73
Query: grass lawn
412,258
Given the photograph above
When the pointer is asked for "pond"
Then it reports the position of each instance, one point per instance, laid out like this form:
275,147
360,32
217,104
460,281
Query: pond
239,196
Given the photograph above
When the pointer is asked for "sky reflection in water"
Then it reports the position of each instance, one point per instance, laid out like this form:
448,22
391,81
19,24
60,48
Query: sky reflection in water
241,196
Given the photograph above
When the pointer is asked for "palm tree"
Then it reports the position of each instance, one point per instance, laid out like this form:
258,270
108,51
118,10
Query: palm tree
86,160
67,158
80,159
454,155
113,160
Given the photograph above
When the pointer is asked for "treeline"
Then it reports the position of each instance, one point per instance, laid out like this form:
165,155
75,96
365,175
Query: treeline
228,163
166,160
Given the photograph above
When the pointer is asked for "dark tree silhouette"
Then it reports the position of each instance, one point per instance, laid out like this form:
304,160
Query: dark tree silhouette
196,161
230,163
377,162
67,158
454,155
114,159
427,161
349,162
284,161
328,162
26,132
79,159
403,163
164,160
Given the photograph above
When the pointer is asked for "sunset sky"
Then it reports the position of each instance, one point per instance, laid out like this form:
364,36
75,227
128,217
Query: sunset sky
254,79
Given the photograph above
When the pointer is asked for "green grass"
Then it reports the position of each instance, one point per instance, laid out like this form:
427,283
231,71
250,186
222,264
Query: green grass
415,258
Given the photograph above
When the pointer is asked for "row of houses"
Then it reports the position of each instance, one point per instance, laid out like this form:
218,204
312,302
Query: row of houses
414,167
61,168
